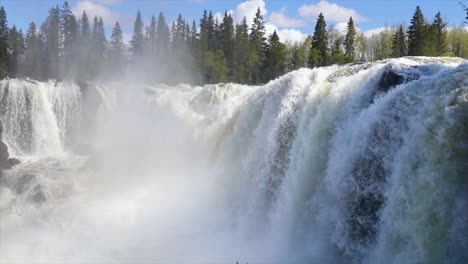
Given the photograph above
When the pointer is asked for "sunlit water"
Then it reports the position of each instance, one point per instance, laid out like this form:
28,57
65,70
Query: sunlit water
318,166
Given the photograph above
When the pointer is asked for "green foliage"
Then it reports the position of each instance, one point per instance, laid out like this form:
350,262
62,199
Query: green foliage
350,49
137,42
16,47
219,52
439,29
417,34
4,56
337,55
257,48
216,63
319,50
240,69
399,43
315,58
275,58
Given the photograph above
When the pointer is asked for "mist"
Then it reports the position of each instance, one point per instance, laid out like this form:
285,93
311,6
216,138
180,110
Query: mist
318,165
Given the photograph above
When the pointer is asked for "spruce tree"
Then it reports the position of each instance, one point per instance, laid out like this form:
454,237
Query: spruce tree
417,34
151,42
319,51
439,27
31,65
117,48
85,27
399,43
275,58
178,35
137,42
53,43
70,35
257,48
241,53
162,37
350,49
4,57
227,39
16,47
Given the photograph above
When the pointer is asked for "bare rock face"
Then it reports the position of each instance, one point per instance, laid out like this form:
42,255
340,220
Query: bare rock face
6,162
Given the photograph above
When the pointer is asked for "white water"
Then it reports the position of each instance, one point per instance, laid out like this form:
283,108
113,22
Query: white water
316,166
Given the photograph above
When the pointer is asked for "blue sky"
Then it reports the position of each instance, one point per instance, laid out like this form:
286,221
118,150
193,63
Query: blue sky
292,18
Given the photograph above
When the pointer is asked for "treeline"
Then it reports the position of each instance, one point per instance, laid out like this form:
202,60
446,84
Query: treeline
66,47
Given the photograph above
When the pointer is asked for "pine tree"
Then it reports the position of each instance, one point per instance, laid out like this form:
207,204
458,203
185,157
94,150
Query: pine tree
275,58
399,43
151,38
31,64
53,43
241,53
319,51
16,47
70,35
227,39
137,42
162,37
116,56
85,27
4,57
439,27
257,48
417,34
178,35
98,50
211,32
350,49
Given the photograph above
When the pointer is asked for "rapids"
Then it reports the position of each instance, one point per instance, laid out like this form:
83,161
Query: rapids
320,165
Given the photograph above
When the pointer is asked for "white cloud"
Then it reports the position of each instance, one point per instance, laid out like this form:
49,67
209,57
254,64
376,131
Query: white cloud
249,9
285,35
342,27
370,32
331,12
95,9
281,20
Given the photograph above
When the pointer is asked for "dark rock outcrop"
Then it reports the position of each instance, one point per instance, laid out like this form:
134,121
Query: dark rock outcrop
6,162
390,79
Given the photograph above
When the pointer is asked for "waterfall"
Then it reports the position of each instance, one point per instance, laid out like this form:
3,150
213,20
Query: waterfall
38,115
361,163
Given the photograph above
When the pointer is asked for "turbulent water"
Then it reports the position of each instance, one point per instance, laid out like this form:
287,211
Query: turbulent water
329,165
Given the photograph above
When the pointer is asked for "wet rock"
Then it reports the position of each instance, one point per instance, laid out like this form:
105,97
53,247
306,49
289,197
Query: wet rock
4,155
14,161
390,79
6,163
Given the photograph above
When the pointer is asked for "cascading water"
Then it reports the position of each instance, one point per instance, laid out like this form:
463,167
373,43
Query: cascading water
362,163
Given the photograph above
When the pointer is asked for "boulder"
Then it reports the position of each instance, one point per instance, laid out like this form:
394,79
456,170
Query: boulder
14,161
4,155
6,162
390,78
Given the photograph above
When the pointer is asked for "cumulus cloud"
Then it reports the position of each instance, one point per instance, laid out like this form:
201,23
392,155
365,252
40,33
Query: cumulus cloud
285,35
331,11
281,20
95,9
370,32
248,9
